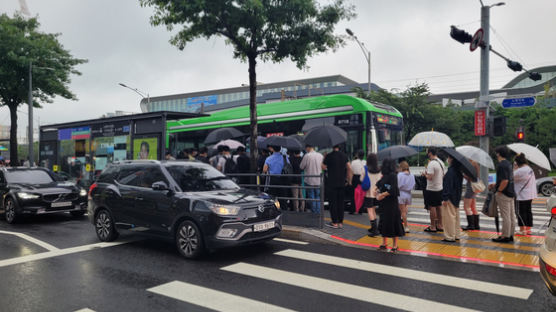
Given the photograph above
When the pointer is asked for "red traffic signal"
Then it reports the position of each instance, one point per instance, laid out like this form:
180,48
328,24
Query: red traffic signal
520,135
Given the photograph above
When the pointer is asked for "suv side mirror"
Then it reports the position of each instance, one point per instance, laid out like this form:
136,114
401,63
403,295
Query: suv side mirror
160,186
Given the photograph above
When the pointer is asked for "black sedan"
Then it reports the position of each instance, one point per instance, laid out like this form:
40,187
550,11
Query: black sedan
36,190
188,202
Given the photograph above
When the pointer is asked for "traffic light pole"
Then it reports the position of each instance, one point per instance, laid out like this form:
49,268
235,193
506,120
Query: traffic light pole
483,102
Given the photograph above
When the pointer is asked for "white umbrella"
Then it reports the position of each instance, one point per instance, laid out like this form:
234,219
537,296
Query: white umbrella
476,154
431,138
232,144
532,154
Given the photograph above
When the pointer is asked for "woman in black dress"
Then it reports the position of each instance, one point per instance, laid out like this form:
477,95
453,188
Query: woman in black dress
390,223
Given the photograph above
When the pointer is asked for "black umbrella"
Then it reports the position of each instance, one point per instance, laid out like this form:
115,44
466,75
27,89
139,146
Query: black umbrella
222,134
325,136
287,142
465,166
396,152
298,137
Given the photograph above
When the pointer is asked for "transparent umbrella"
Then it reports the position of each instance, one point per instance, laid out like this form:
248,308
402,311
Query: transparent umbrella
476,154
431,138
532,154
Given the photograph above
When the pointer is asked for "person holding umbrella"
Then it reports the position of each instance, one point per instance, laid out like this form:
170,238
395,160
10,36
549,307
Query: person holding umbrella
390,222
526,190
339,175
451,196
470,202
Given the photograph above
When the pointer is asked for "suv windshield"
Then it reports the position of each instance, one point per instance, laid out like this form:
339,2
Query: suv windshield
28,176
199,178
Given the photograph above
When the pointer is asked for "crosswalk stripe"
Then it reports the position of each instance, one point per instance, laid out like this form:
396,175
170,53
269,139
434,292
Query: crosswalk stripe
463,215
440,279
212,299
291,241
366,294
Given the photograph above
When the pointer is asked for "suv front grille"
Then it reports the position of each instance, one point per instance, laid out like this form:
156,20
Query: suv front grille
59,197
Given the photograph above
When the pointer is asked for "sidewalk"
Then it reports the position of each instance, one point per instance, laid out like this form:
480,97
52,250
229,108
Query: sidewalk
474,246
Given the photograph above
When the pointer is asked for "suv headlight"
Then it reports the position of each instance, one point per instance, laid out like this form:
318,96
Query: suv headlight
24,195
83,193
277,204
225,210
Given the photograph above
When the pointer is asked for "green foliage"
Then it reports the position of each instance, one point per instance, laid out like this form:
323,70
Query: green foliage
22,44
269,30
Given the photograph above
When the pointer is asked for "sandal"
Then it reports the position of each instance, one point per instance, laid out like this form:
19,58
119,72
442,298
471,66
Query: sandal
394,249
428,229
382,247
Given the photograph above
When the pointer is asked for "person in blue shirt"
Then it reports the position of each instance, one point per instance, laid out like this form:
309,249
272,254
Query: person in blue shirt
273,165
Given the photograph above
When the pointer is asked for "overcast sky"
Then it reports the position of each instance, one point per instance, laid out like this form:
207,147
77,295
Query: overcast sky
409,41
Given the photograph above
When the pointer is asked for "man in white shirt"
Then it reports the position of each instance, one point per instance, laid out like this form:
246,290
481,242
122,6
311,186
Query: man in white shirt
433,193
311,164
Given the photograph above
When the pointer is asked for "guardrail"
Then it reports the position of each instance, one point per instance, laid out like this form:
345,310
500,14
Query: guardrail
309,199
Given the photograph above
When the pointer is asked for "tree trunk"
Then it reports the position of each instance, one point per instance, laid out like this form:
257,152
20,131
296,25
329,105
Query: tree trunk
13,134
253,112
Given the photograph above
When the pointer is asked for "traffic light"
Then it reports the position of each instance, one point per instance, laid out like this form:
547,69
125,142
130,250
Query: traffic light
498,126
520,135
535,76
460,35
515,66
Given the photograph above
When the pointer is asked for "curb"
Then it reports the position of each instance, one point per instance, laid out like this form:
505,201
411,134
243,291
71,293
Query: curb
314,236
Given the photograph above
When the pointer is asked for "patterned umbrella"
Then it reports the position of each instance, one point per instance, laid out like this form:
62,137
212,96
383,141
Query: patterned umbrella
431,138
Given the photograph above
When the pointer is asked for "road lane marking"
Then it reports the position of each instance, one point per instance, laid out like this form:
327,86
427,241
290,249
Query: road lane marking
212,299
33,240
291,241
59,252
85,310
380,297
435,278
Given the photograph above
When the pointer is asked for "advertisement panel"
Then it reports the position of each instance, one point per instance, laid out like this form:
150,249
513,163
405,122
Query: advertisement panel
145,148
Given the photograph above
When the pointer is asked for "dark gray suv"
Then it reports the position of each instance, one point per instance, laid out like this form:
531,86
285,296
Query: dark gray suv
189,202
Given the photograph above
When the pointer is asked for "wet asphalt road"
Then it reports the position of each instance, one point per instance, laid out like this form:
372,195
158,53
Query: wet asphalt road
140,276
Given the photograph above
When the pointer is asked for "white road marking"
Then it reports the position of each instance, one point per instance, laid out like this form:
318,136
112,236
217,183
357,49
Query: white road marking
435,278
463,215
59,252
35,241
366,294
291,241
85,310
212,299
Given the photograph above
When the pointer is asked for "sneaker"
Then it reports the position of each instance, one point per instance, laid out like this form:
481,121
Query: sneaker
341,225
331,225
407,229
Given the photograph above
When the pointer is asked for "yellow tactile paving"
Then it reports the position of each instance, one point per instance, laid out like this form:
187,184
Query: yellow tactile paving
483,243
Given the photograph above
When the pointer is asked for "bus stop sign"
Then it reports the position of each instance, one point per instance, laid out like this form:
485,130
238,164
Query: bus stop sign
519,102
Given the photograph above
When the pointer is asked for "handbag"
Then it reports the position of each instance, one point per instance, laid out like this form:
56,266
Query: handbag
478,187
420,183
490,208
358,198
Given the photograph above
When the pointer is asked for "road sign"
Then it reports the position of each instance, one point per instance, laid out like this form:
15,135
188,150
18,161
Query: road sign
480,122
477,40
519,102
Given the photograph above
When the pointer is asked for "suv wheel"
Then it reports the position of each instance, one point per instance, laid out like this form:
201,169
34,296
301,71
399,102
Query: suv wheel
189,240
104,226
9,209
546,188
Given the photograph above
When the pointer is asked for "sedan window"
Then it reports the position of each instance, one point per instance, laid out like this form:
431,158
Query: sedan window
130,176
30,176
200,178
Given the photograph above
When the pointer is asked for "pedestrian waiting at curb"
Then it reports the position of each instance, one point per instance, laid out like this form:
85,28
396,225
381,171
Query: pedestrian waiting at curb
273,165
390,222
470,202
406,182
451,196
295,182
339,176
370,202
433,194
526,190
505,194
311,164
203,155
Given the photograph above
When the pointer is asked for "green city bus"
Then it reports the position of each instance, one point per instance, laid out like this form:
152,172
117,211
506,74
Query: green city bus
370,126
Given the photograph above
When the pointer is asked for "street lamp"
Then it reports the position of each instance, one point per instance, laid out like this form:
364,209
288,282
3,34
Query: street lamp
141,93
367,54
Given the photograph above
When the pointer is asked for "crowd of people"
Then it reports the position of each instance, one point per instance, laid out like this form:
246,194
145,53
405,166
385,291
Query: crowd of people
384,192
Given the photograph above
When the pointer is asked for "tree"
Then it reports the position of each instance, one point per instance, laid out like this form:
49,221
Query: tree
23,44
269,30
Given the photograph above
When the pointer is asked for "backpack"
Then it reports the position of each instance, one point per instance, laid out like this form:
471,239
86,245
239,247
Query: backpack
287,169
366,183
230,165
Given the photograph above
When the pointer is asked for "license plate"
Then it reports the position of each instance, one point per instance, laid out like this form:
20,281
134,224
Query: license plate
259,227
61,204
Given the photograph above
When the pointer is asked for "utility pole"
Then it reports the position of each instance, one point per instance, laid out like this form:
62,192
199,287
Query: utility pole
484,102
367,55
30,115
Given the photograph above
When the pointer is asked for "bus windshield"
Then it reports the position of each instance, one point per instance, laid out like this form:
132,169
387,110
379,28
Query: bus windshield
388,137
